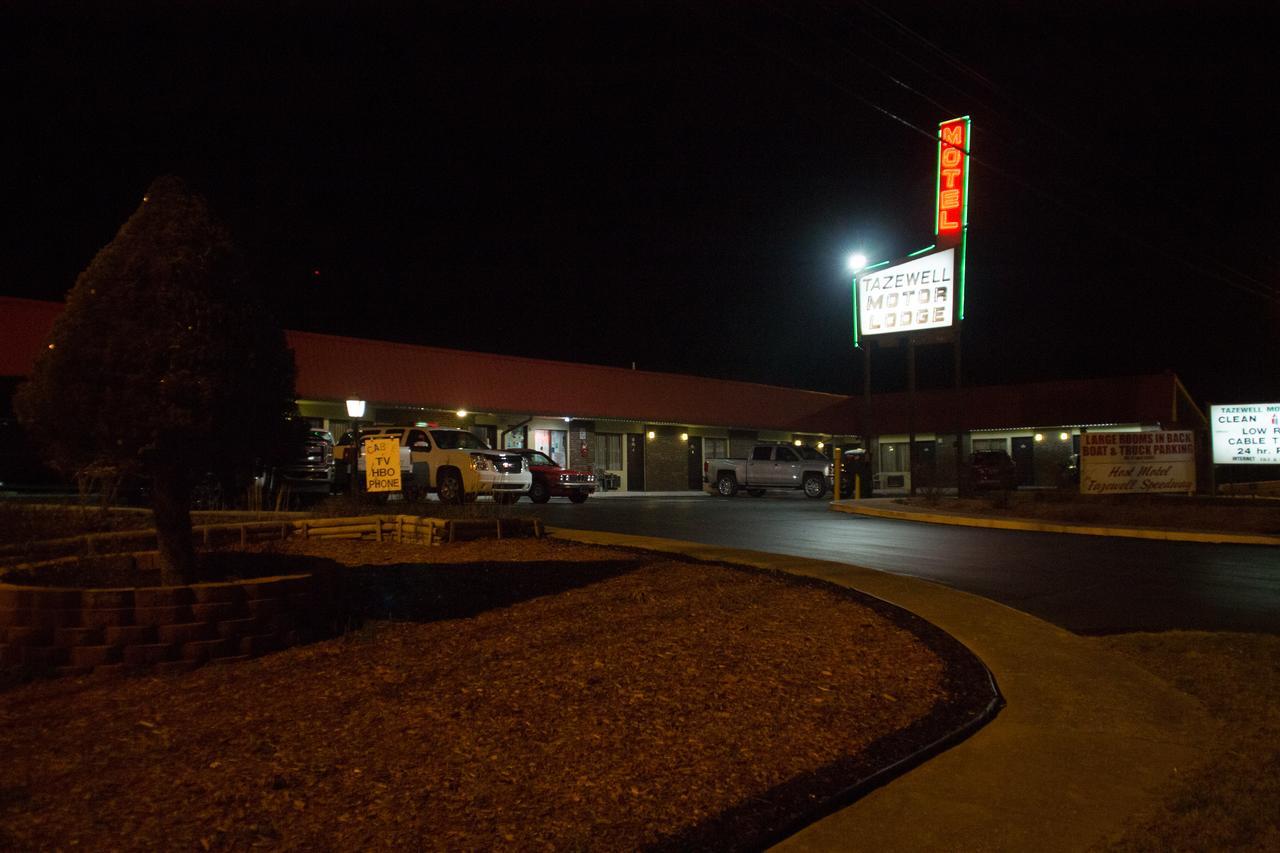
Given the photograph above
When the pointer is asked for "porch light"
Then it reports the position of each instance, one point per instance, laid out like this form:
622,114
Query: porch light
684,436
797,442
1064,436
652,435
1039,436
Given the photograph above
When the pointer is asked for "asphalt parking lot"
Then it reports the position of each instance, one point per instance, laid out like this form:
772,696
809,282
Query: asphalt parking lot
1088,585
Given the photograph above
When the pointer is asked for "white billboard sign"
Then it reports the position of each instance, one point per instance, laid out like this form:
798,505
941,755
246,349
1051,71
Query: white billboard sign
909,297
1127,462
1246,434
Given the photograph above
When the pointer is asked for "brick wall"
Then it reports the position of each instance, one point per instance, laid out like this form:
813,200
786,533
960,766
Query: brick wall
46,630
577,439
666,462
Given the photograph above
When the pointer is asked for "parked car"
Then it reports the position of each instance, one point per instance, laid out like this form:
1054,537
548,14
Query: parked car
550,480
992,469
770,466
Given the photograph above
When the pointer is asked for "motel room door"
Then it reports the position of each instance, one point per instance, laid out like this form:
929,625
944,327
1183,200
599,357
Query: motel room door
1024,458
695,463
635,462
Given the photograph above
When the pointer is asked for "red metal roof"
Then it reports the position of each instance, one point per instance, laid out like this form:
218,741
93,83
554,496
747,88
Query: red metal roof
25,325
331,367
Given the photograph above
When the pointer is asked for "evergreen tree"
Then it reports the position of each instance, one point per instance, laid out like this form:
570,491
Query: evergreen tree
163,365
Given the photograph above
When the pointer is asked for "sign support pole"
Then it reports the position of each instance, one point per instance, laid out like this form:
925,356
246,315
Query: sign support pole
911,415
961,491
866,393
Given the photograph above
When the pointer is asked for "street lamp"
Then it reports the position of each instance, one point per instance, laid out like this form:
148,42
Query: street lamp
856,262
355,410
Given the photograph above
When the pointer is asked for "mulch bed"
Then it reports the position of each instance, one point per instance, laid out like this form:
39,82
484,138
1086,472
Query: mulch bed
534,694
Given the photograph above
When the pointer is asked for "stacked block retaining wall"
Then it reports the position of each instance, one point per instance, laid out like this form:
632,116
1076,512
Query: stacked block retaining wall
49,630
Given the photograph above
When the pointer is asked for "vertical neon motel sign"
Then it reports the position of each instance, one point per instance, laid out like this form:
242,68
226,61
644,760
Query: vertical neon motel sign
951,207
951,202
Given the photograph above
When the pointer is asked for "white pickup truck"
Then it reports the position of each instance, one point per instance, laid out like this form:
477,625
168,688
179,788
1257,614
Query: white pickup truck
770,466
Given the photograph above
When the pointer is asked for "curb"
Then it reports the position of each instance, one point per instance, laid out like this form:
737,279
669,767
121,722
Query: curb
1053,527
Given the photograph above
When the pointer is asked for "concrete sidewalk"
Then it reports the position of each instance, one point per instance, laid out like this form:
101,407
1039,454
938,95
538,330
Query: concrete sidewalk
1086,741
891,508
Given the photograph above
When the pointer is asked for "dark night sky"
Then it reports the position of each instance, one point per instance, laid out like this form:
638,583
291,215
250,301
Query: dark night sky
678,184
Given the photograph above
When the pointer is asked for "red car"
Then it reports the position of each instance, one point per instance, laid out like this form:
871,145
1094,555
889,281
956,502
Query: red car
549,479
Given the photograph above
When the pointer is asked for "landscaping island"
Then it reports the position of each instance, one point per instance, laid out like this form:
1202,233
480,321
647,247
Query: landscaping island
522,692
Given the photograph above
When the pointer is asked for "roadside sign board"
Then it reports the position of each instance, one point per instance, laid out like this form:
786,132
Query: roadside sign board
913,296
1131,462
1246,434
382,464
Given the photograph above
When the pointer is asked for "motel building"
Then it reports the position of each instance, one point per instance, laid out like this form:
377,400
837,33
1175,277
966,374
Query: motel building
651,431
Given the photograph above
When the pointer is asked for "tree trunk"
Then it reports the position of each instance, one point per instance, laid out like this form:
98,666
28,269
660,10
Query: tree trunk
171,503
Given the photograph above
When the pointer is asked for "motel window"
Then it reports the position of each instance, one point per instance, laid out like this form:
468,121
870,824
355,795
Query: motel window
554,443
893,456
609,451
487,434
715,448
981,444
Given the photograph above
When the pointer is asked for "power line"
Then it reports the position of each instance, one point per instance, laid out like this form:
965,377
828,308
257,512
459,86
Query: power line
1246,283
1265,290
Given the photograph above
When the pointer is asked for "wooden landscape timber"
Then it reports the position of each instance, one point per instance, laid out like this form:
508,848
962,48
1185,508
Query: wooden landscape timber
394,528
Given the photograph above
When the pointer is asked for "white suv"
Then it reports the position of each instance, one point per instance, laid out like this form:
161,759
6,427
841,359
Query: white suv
455,464
504,475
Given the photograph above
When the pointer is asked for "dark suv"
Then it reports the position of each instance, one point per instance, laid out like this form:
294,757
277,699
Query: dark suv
992,469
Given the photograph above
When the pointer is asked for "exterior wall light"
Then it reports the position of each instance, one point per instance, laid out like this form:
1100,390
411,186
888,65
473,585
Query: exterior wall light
1064,436
797,442
462,413
821,445
684,436
1039,436
652,435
